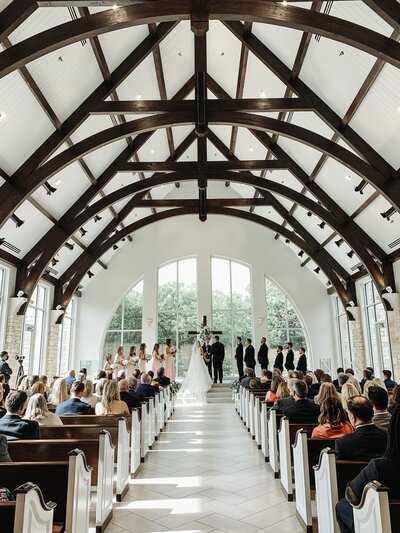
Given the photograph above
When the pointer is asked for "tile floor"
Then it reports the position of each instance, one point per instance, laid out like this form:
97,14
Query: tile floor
204,474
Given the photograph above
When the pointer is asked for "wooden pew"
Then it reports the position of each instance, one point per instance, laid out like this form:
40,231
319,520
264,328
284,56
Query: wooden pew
331,478
286,437
376,512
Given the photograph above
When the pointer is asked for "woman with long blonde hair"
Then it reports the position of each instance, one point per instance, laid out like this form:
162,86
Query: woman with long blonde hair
59,392
352,380
348,391
327,390
110,403
37,410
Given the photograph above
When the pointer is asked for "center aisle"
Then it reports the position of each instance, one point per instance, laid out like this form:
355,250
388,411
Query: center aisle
204,474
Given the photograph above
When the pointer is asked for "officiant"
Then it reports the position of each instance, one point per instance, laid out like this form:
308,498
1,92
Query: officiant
206,353
218,355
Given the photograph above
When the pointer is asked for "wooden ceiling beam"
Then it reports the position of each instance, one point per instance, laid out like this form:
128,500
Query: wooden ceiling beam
389,10
14,15
191,166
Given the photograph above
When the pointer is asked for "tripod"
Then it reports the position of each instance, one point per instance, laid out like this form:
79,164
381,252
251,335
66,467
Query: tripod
20,372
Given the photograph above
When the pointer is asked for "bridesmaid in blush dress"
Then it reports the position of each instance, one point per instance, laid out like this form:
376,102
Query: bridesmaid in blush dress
118,361
107,365
156,358
142,357
169,360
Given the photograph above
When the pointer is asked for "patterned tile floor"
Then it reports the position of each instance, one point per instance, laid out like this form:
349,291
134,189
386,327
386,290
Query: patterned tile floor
204,474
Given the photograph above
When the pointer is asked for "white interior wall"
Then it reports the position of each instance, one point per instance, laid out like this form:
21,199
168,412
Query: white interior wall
187,236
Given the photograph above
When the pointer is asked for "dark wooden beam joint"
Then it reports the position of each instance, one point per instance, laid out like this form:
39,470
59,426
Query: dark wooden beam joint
203,205
199,17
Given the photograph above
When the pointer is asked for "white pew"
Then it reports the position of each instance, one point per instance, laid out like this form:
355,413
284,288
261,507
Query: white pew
161,405
135,443
302,480
251,413
273,443
257,421
285,459
326,491
78,496
151,431
32,514
373,514
264,430
104,500
122,484
156,414
144,433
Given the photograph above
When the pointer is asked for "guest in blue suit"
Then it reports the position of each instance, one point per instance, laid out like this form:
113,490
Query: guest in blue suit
74,406
12,425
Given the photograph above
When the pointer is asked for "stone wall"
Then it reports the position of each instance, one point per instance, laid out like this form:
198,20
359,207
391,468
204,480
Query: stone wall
13,342
53,347
358,346
394,330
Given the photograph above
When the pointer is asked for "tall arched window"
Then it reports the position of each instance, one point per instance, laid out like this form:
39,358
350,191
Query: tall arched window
125,327
231,305
283,322
177,308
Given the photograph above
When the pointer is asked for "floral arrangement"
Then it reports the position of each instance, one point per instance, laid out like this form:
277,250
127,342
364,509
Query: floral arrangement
113,366
125,362
205,333
173,350
175,386
148,358
235,385
162,357
135,360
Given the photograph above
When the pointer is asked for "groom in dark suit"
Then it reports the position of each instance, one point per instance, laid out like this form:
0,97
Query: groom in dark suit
218,355
207,355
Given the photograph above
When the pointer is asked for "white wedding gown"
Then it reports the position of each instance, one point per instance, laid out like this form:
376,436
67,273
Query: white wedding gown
197,381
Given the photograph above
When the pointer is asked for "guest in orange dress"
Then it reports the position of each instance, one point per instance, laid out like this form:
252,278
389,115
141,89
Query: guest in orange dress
271,395
333,422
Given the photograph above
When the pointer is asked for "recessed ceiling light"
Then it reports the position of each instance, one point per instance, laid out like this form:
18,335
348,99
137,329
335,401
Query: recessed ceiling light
138,96
262,94
349,178
3,116
58,181
284,3
115,7
152,151
251,149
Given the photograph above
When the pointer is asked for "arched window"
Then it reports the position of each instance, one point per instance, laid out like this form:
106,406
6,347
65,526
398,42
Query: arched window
283,322
231,305
177,308
125,327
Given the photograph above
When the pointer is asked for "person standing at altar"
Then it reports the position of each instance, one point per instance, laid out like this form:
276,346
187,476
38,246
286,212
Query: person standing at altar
278,363
263,354
206,353
289,362
142,357
217,356
118,362
169,360
302,362
157,361
249,355
239,356
130,364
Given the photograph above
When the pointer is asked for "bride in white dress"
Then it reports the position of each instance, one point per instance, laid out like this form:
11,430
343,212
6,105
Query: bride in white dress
197,381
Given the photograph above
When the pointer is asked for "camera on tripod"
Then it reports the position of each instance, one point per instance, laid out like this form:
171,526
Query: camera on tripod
19,358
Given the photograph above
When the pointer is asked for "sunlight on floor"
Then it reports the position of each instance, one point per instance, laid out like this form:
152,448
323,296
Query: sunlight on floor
194,481
176,506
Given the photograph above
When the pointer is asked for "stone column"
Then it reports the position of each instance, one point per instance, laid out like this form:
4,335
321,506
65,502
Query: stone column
13,342
53,349
358,346
394,331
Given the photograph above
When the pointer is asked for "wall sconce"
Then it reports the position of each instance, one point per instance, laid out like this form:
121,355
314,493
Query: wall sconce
149,321
260,320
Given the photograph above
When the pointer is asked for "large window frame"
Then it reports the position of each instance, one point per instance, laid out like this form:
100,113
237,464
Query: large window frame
34,328
344,333
3,306
64,359
378,333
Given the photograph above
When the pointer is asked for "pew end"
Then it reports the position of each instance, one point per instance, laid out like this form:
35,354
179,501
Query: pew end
32,514
372,513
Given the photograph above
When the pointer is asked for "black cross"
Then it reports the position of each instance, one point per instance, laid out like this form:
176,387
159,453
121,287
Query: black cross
204,323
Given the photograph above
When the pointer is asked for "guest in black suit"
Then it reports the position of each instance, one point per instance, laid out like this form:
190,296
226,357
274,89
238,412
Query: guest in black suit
278,363
367,441
339,370
303,410
302,362
206,352
12,425
282,403
5,367
289,361
145,388
249,355
385,470
132,389
249,375
266,378
367,376
161,378
74,406
218,356
132,402
263,354
4,455
239,356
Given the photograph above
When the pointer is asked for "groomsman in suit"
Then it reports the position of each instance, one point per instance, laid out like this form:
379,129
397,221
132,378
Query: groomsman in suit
289,362
279,358
239,356
249,355
302,362
218,355
207,355
263,354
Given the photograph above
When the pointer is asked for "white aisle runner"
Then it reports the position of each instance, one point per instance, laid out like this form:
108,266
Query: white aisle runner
205,474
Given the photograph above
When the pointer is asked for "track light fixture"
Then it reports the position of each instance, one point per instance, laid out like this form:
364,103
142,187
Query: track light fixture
301,253
317,270
339,243
360,187
82,231
350,253
387,214
54,261
123,239
18,222
90,274
2,240
115,247
97,218
309,214
49,188
328,283
69,246
287,241
322,225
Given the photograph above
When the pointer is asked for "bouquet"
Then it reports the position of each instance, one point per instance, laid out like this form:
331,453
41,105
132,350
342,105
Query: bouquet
148,358
173,351
205,333
162,357
113,366
135,360
125,362
175,386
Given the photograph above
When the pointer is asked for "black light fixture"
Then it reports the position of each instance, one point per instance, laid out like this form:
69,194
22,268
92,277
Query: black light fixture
49,188
18,222
322,225
350,253
387,214
90,274
328,283
2,240
287,241
69,246
82,231
97,218
360,187
339,243
54,261
123,239
309,214
115,247
301,253
317,270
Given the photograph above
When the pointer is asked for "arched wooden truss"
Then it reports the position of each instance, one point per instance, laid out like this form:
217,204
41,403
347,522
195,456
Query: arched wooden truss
38,168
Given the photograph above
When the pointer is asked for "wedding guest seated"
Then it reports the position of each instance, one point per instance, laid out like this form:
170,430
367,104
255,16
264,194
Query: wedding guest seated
153,382
351,379
367,376
37,410
395,399
300,375
145,388
253,384
312,393
70,378
349,371
12,424
318,373
339,370
74,406
367,441
388,381
84,372
271,395
6,386
131,400
111,403
265,379
342,379
136,373
4,455
293,374
2,408
248,375
59,392
327,390
88,395
333,422
385,470
161,378
45,382
380,399
99,374
348,391
121,375
281,403
133,384
282,391
303,410
98,392
38,388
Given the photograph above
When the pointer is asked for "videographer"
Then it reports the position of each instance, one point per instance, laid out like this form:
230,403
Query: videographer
5,367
